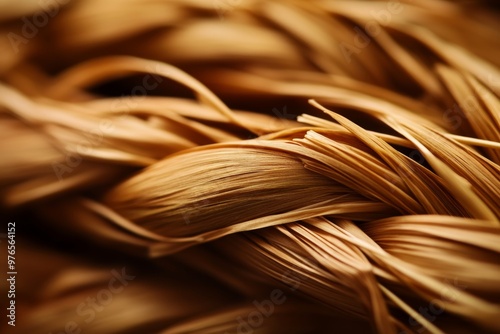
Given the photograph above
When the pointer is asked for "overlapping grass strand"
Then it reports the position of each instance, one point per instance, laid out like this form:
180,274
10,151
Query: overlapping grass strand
343,153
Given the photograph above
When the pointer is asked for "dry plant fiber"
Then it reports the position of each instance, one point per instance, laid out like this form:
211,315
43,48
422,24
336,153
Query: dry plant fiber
250,166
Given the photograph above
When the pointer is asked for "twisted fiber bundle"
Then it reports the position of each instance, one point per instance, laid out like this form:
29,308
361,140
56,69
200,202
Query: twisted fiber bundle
259,166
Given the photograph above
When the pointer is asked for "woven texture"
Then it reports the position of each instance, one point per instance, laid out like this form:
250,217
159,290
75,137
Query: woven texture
248,166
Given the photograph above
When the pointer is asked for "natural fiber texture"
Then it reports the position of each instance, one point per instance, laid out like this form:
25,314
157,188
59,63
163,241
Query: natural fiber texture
259,166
